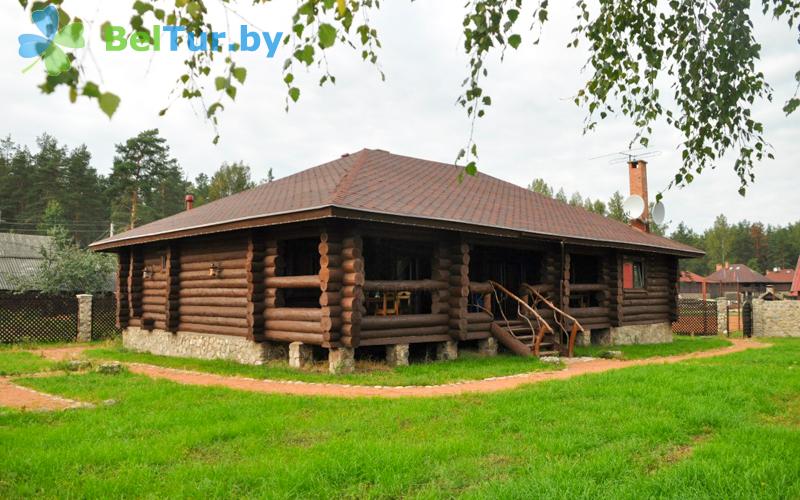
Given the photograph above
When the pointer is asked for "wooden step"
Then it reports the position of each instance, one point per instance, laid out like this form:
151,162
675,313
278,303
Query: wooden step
548,353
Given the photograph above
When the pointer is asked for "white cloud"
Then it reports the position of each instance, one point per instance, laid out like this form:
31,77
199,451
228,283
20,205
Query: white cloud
533,128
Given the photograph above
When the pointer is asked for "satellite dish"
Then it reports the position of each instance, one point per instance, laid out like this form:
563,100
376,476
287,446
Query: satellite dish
658,213
634,206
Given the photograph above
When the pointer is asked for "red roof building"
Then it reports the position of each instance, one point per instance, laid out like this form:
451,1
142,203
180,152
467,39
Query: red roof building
795,288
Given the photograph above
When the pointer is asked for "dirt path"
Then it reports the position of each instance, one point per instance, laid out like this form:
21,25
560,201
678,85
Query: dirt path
573,369
22,398
62,353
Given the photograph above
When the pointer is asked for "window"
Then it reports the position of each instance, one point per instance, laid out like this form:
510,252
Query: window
633,274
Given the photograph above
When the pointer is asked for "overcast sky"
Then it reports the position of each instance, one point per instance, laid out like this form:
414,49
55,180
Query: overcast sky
532,130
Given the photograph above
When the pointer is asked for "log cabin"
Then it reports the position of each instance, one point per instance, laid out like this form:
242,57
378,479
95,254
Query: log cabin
377,251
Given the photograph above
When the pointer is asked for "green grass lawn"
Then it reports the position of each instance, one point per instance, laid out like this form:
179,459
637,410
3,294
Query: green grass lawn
680,345
469,366
15,362
726,427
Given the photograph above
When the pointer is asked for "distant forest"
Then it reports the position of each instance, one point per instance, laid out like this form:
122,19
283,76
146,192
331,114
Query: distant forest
759,246
56,185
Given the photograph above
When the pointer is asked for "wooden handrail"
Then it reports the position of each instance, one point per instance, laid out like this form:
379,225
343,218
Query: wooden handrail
576,325
524,304
551,305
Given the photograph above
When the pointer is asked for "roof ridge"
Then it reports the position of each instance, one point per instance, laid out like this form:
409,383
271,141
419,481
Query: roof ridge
347,180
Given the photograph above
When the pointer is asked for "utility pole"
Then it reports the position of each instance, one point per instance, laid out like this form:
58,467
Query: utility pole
111,230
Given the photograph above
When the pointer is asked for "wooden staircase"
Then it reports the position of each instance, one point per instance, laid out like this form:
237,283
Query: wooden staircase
529,334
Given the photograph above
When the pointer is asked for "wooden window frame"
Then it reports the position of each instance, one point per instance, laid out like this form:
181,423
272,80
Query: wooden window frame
633,261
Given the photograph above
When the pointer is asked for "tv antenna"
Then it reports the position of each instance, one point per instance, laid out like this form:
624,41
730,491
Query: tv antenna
629,155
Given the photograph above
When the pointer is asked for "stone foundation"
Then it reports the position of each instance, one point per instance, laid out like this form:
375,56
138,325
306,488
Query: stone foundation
341,360
655,333
201,345
447,351
397,355
776,318
300,354
487,347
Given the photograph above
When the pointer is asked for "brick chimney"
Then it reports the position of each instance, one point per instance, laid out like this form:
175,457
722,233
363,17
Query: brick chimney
189,201
637,173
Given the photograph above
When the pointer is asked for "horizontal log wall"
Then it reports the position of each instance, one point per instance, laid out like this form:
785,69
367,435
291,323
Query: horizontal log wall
653,303
223,303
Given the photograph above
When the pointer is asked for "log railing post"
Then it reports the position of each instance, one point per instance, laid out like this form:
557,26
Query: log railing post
254,273
173,288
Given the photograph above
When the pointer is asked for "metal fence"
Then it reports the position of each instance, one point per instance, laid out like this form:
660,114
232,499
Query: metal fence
35,317
696,317
104,317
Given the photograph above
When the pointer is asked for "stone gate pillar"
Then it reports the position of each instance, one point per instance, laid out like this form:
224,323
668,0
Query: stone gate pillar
722,315
84,317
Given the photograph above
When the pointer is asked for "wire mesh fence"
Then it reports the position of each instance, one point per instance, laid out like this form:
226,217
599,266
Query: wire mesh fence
33,317
696,317
104,317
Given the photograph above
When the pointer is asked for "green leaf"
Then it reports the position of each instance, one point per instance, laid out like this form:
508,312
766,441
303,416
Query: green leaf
108,103
55,60
791,105
240,74
220,82
294,93
231,91
70,36
305,55
514,40
91,90
327,35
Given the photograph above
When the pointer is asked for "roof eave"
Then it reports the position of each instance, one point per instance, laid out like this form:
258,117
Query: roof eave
344,212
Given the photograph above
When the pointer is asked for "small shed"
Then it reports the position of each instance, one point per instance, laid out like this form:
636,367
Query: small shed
20,255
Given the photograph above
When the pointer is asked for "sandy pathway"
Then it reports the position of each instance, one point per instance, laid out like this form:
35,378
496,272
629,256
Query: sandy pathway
573,369
22,398
63,353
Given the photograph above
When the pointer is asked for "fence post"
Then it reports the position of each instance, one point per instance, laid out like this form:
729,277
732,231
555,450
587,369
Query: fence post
84,317
722,315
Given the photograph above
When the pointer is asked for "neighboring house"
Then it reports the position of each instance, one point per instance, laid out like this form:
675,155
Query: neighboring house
736,278
376,250
20,255
692,285
781,279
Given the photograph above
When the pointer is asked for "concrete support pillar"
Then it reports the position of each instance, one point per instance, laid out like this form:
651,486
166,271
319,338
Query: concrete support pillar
447,351
722,315
487,347
84,317
397,355
300,354
341,360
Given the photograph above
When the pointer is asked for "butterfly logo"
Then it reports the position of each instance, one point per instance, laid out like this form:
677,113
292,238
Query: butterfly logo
47,48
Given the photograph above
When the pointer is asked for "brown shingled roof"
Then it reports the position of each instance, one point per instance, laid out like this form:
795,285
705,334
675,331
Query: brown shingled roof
377,182
737,273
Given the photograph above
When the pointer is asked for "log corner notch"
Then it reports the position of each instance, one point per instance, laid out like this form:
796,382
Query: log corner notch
331,278
122,286
459,290
256,296
351,304
136,285
673,274
173,288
